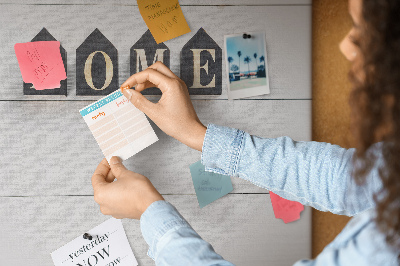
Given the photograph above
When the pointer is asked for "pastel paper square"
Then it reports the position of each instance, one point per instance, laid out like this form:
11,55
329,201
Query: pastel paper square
41,64
209,186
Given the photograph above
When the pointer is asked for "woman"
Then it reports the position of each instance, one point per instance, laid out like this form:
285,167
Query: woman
362,182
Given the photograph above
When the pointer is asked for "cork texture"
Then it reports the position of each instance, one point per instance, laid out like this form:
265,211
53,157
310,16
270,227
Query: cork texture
331,90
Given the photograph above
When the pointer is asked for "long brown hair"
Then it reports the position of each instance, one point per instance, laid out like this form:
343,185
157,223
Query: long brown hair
375,101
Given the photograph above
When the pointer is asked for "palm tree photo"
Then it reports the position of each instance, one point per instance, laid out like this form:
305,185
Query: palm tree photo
247,60
230,60
250,51
239,54
262,59
255,60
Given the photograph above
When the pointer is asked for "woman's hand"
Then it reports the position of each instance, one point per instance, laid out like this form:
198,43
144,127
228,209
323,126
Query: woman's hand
173,113
127,197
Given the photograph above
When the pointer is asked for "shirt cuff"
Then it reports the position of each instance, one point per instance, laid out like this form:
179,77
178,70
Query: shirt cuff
159,218
222,148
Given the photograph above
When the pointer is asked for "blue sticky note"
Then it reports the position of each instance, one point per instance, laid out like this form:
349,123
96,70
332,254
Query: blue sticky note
209,186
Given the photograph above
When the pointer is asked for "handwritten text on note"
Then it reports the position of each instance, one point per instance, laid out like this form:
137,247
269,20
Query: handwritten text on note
41,64
164,18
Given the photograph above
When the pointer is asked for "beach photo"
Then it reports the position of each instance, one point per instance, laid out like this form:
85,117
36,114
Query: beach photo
246,64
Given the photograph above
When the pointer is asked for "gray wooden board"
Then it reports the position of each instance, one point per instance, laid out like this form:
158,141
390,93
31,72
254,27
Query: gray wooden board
182,2
47,148
48,153
288,34
241,228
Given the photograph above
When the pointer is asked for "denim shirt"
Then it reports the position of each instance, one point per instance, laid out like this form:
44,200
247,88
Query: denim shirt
312,173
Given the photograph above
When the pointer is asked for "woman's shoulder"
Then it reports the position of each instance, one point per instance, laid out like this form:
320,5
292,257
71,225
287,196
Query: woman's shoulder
362,238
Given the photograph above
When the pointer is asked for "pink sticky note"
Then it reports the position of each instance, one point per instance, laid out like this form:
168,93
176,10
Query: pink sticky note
41,64
284,209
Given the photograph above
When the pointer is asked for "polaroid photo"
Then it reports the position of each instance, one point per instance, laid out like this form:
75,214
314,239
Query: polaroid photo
246,65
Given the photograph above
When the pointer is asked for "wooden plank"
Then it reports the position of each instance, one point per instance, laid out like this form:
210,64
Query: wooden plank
182,2
241,228
288,33
47,149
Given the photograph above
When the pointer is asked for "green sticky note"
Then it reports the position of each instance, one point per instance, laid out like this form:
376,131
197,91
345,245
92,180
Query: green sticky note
209,186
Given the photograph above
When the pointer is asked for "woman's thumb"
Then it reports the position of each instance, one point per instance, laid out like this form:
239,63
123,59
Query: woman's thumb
117,167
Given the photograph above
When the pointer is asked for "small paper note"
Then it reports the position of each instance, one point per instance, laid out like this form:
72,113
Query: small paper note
164,18
109,246
118,126
284,209
41,64
209,186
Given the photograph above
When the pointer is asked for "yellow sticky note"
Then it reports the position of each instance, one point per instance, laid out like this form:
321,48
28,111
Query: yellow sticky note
164,18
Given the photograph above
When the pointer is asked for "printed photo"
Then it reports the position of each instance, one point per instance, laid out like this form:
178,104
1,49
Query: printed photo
246,64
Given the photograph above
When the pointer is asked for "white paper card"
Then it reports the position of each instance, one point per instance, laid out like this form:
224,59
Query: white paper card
108,247
118,126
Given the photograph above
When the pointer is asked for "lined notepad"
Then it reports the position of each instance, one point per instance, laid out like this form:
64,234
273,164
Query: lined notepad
118,126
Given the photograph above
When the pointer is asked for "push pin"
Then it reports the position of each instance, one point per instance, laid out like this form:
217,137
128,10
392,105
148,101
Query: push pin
87,236
246,36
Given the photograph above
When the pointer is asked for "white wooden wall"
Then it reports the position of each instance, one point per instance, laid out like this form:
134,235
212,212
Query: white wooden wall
48,154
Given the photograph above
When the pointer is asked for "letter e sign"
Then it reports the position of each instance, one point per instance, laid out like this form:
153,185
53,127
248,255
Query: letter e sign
201,65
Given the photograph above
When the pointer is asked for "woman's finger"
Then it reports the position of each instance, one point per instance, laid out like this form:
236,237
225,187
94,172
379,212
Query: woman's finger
143,86
159,80
100,174
110,177
160,67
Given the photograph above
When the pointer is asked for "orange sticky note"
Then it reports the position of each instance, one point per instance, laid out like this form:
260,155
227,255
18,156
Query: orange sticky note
41,64
164,18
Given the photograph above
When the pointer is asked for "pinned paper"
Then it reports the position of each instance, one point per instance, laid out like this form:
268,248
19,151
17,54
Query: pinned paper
246,65
118,126
41,64
164,18
108,246
29,89
209,186
284,209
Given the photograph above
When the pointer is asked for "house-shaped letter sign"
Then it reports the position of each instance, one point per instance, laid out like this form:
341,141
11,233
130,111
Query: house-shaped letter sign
96,66
201,65
29,89
146,52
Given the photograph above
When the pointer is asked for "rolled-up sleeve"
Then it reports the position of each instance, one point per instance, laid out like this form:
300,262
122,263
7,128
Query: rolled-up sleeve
313,173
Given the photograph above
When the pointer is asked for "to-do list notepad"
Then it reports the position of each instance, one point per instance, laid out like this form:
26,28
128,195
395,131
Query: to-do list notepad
118,126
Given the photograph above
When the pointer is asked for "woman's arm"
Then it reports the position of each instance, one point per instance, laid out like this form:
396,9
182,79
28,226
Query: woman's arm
315,174
171,240
312,173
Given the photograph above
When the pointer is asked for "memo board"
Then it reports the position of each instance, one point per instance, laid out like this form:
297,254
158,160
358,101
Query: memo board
49,155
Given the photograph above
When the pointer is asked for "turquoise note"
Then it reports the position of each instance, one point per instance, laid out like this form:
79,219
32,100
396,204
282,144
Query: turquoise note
209,186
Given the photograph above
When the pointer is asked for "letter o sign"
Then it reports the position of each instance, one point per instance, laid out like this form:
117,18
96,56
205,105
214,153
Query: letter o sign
88,70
